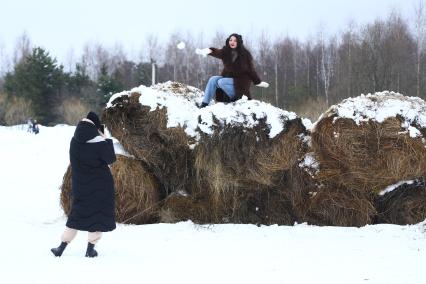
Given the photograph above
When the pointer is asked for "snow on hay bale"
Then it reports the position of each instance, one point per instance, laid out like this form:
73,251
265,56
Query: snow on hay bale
403,203
371,141
136,192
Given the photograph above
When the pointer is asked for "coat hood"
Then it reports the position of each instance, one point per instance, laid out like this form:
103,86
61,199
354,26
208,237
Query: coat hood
85,131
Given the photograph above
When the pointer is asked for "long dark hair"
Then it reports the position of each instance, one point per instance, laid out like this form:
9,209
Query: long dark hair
243,54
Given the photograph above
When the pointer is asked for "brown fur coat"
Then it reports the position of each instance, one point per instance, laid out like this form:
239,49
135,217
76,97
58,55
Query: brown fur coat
241,70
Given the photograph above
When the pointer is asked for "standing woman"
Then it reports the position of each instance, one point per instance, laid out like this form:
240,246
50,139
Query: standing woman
238,72
93,195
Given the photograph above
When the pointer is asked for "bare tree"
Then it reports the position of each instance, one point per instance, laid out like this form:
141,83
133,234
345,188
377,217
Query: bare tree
22,48
327,64
420,33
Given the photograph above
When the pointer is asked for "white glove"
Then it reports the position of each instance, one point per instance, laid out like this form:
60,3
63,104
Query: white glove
263,85
204,52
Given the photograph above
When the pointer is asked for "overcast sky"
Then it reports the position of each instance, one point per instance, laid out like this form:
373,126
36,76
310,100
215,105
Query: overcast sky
60,26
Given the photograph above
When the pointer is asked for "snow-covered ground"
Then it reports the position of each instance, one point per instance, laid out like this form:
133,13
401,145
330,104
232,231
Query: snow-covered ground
31,171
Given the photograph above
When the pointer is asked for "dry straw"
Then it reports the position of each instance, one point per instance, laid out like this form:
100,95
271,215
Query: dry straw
369,156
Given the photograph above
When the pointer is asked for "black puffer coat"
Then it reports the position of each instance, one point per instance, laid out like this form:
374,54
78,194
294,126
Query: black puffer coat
93,196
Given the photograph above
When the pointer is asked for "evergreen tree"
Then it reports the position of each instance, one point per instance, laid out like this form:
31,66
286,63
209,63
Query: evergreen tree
107,85
38,79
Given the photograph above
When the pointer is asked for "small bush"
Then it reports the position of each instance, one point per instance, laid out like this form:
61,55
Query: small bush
17,110
72,110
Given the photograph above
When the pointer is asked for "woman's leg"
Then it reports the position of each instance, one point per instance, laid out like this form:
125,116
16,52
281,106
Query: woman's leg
94,237
68,235
211,87
227,85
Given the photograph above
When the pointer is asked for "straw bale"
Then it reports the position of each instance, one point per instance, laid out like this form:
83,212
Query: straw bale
145,135
404,205
368,156
137,193
326,203
235,158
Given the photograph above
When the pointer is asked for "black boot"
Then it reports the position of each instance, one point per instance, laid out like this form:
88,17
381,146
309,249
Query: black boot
203,105
59,250
91,252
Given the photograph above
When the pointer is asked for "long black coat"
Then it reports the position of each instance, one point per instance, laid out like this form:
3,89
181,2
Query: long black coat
93,196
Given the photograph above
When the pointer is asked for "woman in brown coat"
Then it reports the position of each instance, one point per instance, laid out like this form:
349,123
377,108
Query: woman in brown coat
238,72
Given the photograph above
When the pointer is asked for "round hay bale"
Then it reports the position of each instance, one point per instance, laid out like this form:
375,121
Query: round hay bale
235,157
144,132
404,205
325,203
370,142
137,193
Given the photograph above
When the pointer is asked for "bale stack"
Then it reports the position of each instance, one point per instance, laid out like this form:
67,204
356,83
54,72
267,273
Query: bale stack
137,198
363,145
218,164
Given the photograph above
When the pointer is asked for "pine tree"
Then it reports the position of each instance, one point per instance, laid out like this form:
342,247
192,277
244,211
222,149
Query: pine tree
37,78
107,85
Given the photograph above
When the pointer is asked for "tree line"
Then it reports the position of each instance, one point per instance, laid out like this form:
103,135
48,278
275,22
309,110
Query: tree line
388,54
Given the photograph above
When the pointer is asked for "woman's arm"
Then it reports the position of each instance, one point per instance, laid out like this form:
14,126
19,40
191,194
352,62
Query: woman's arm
216,52
107,152
253,74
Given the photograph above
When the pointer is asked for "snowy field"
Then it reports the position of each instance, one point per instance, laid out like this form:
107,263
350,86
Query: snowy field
31,171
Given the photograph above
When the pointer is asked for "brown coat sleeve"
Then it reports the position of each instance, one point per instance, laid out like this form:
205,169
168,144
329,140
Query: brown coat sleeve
253,75
216,52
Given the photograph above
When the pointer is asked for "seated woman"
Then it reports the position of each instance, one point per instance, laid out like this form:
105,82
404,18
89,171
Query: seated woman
238,72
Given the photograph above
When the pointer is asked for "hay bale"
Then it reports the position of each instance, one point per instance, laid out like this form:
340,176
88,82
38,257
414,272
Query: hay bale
370,142
137,194
236,156
326,203
146,133
406,204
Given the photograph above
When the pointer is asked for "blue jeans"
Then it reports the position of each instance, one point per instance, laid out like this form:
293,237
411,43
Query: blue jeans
226,84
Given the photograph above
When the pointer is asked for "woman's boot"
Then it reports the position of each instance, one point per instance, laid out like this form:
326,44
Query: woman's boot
91,252
59,250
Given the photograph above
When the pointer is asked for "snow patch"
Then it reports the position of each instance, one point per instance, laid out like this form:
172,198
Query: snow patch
395,186
381,106
182,111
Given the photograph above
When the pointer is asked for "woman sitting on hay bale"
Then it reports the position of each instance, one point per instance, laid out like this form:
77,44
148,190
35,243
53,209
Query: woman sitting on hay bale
93,196
237,74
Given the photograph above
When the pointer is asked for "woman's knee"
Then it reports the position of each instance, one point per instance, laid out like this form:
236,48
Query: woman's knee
214,79
224,83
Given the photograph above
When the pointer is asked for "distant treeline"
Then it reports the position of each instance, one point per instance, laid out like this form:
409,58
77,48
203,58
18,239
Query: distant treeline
388,54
